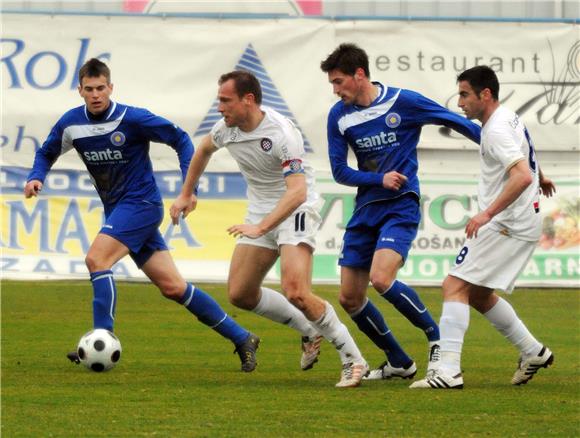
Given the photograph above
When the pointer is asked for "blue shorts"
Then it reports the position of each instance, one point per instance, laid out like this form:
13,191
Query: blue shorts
136,225
389,224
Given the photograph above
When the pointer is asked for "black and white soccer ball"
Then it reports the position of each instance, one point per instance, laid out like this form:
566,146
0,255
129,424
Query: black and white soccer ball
99,350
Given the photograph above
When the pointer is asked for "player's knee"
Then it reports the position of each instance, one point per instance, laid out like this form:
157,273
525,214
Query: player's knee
381,281
93,263
172,291
349,303
242,300
297,299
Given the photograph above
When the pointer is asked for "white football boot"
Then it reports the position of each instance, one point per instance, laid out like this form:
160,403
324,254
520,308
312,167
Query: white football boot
310,351
387,371
439,380
352,374
529,366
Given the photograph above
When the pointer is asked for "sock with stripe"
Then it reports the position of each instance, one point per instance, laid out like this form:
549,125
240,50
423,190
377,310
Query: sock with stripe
406,301
104,299
370,321
209,312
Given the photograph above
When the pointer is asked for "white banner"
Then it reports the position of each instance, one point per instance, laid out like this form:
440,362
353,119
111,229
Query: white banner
171,67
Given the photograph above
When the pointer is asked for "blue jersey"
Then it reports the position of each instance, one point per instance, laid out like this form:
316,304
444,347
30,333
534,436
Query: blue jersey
115,149
384,137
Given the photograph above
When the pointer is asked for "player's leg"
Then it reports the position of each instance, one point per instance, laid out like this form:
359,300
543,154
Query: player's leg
453,326
398,228
103,253
368,318
296,273
500,260
161,269
248,268
533,355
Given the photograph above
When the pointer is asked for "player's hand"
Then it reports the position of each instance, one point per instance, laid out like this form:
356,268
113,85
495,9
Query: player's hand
247,230
394,180
547,186
475,223
183,205
32,188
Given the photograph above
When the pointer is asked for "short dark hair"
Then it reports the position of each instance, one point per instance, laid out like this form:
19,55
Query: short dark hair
245,83
481,77
346,58
94,68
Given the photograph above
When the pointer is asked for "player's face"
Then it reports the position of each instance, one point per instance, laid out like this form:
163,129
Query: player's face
235,110
470,102
97,94
347,87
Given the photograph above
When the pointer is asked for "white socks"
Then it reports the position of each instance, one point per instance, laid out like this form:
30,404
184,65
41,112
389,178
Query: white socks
276,307
334,331
503,317
453,325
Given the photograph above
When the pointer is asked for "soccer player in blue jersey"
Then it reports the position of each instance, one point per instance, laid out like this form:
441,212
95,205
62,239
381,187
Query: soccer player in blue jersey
382,126
113,139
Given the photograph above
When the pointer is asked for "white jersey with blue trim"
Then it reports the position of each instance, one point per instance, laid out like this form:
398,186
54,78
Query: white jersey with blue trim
114,147
265,156
504,142
384,137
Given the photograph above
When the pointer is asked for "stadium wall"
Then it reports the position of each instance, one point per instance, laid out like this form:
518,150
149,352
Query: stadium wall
171,65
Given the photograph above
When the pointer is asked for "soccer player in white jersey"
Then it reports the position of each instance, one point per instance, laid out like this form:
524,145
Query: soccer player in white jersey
282,220
502,236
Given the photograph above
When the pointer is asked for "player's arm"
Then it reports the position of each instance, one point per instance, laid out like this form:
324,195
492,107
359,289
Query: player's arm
338,158
44,158
186,202
161,130
295,195
519,178
431,113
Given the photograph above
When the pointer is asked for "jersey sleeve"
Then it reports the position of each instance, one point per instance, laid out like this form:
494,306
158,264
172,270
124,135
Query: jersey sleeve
503,146
161,130
429,112
290,150
338,157
54,146
217,134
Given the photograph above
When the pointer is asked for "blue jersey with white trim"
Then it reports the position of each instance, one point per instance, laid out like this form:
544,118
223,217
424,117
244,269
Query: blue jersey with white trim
384,137
115,150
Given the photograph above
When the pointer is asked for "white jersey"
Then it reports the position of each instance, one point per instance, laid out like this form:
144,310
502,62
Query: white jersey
265,156
504,142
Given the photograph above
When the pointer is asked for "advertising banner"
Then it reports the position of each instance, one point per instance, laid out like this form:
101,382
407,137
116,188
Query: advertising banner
171,66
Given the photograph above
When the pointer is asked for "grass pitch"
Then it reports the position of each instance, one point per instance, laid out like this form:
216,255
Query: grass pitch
177,378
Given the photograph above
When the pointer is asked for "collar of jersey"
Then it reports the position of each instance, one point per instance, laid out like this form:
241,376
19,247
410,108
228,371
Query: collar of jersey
107,116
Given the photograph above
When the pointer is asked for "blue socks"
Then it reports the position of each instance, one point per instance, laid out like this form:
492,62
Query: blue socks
409,304
370,321
209,312
104,299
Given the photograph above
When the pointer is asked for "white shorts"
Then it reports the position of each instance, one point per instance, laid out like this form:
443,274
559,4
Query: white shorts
300,227
493,260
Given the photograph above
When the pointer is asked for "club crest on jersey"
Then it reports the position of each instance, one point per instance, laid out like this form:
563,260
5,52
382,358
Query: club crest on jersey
118,138
393,120
292,166
266,144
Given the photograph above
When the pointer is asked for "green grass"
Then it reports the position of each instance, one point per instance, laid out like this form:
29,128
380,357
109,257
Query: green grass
179,379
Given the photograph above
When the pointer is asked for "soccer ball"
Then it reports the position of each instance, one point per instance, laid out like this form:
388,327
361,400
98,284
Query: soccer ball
99,350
